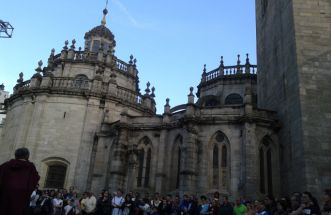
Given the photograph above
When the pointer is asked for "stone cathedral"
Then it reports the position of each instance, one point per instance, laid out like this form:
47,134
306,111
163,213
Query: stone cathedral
248,131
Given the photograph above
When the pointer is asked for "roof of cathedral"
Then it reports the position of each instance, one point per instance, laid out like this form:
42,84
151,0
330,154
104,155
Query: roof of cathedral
101,31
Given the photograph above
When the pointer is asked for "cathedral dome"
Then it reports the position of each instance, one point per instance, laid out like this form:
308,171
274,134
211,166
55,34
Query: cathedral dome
101,31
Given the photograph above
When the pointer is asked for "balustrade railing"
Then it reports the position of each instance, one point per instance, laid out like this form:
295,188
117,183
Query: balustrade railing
80,56
230,71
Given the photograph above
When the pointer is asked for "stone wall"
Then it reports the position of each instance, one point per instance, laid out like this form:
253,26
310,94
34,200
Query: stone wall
293,50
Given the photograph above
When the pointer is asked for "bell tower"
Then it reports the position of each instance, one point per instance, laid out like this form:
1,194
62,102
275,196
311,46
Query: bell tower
294,64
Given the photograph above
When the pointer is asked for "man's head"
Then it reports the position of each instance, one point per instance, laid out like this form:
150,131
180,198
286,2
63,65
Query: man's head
22,153
226,199
327,195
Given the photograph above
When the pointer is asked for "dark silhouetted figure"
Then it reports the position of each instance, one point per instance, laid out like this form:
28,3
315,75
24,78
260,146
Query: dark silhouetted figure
18,179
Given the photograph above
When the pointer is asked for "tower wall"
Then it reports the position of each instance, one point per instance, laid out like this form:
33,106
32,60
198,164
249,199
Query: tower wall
294,59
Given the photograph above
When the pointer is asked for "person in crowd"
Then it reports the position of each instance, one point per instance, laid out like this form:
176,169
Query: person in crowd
226,207
18,175
251,208
157,202
57,204
167,207
261,208
175,205
45,203
36,194
295,203
270,204
204,206
215,207
309,204
193,206
70,208
105,204
128,205
326,210
89,204
117,203
239,208
82,203
146,208
183,206
282,207
155,211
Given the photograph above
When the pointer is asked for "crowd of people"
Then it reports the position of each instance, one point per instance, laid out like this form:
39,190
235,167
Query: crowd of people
20,195
63,202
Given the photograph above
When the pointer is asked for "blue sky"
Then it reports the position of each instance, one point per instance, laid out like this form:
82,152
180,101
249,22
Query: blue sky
171,39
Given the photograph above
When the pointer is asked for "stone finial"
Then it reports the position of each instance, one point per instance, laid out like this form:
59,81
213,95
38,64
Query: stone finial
247,59
238,61
38,69
73,44
2,86
153,92
131,60
105,12
65,47
191,91
147,88
20,79
190,97
80,49
222,62
52,52
247,65
167,102
135,62
204,68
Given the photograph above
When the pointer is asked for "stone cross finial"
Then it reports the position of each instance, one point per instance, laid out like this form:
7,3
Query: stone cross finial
20,79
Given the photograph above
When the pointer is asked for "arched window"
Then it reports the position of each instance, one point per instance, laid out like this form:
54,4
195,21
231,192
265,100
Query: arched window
81,82
178,168
148,166
268,166
56,176
269,171
215,167
219,162
224,156
261,156
233,99
144,162
141,167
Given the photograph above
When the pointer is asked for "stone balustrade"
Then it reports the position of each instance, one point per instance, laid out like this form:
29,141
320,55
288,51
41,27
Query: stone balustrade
70,85
227,71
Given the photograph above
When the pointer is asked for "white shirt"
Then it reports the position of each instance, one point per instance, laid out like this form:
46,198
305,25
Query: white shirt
34,199
119,202
89,204
57,202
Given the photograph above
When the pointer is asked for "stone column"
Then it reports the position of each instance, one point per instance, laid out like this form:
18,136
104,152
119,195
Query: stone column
189,159
249,162
160,172
118,164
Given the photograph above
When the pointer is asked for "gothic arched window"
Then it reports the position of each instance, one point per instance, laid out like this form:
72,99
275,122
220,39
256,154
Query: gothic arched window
269,171
148,166
215,167
81,82
233,98
144,162
224,156
261,156
141,167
